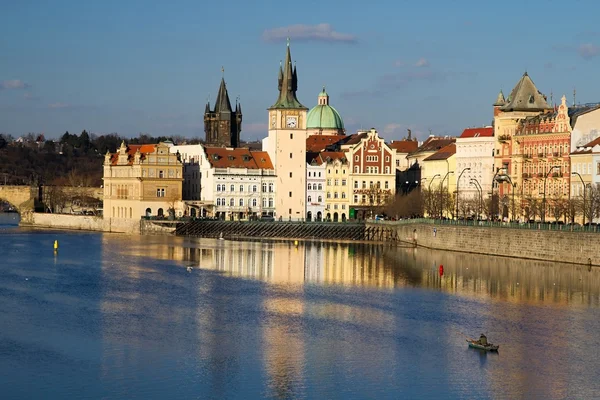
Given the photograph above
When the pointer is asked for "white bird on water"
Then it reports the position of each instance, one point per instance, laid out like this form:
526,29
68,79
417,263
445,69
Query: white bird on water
189,269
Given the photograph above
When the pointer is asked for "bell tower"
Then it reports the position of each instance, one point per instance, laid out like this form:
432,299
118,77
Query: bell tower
286,144
222,126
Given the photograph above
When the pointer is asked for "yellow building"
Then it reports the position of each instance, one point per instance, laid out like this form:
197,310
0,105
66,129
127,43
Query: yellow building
438,169
337,187
142,180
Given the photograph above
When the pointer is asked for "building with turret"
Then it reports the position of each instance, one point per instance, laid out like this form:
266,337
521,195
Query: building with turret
286,144
222,125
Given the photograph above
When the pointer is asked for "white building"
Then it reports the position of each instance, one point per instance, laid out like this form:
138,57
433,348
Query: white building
475,156
315,188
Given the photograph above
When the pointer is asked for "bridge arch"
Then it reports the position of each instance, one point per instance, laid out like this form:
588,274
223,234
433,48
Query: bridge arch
22,198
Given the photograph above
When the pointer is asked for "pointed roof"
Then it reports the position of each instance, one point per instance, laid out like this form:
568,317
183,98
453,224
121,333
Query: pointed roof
500,100
288,84
223,104
525,97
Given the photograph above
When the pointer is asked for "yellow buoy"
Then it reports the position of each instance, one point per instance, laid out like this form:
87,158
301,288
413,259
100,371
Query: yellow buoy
295,243
55,245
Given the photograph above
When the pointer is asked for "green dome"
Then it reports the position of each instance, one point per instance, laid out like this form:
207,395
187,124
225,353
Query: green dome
323,116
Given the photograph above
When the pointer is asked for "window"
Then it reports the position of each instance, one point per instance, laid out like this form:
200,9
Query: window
291,135
223,201
387,170
328,182
290,155
343,182
310,186
343,195
264,202
309,199
289,211
232,188
355,184
320,186
290,174
241,188
161,174
270,188
355,199
335,195
356,169
386,184
160,192
290,194
254,202
387,158
241,202
598,168
264,187
232,202
254,188
328,195
336,182
356,158
320,199
218,201
271,202
343,206
319,174
218,187
371,185
364,184
335,206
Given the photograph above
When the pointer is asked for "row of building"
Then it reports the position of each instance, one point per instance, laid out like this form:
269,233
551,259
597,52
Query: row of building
309,169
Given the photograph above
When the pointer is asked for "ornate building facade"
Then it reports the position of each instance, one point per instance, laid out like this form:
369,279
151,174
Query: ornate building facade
142,181
222,125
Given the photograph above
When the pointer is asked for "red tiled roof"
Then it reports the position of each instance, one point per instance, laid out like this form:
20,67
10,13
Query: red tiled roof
320,142
487,131
443,153
221,157
332,155
131,150
434,143
593,142
404,146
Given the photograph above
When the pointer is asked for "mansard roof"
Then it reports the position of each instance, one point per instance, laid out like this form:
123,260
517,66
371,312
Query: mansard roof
525,97
443,154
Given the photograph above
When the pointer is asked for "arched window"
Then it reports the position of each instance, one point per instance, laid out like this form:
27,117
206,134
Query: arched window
309,199
320,186
232,188
356,169
241,202
310,186
328,195
320,199
343,195
335,195
231,202
254,188
254,202
241,188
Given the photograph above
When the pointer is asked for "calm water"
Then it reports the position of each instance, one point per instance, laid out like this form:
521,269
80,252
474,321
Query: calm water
119,317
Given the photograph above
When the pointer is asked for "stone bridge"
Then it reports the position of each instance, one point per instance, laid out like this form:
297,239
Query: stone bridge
22,198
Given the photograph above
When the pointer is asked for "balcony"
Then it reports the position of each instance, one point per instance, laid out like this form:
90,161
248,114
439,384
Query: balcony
503,138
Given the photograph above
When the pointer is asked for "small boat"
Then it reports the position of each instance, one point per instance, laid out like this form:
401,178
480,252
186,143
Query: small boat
482,344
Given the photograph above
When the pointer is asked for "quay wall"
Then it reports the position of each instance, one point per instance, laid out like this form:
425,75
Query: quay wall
80,222
546,245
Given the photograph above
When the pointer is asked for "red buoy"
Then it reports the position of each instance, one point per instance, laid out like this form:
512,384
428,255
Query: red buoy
441,270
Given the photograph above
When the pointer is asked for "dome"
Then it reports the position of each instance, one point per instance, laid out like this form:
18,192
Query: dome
323,116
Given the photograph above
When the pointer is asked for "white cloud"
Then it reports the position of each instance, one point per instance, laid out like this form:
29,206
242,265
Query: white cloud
300,32
588,50
422,62
58,105
13,84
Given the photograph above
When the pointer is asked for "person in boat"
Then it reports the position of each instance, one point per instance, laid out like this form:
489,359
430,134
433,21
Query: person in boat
483,340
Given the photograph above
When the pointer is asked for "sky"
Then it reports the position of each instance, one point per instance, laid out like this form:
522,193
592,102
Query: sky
149,66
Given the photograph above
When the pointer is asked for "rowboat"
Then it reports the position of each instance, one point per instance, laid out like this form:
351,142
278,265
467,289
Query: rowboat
482,344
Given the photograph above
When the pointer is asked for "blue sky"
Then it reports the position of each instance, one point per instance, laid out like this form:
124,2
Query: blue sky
132,66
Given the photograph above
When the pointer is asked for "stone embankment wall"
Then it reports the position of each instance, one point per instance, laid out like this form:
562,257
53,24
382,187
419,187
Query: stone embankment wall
559,246
80,222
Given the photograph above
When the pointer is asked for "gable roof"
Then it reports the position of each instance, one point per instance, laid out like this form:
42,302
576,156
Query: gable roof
443,153
404,146
434,143
487,131
328,156
222,157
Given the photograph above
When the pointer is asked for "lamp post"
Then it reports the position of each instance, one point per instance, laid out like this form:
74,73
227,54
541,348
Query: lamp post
492,197
475,183
457,185
441,194
582,185
514,185
544,198
430,182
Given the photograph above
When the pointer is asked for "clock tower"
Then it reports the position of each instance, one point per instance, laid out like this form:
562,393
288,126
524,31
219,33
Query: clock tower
286,145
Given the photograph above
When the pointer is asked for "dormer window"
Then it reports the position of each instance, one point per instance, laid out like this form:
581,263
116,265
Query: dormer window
531,99
246,157
215,157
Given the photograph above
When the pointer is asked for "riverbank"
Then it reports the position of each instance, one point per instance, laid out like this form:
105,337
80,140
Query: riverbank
574,247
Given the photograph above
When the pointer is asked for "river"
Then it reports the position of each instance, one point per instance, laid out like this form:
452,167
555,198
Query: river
112,316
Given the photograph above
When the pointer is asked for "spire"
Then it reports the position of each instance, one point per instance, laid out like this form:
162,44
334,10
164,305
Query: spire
288,84
222,103
207,108
500,101
280,76
525,97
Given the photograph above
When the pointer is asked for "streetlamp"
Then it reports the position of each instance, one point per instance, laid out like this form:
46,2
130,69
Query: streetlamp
544,198
441,195
457,185
492,196
475,183
514,185
582,185
430,182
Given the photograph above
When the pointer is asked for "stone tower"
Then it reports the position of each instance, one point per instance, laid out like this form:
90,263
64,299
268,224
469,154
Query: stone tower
222,126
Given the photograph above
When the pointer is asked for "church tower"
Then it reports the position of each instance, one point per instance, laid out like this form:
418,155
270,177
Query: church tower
286,144
222,126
